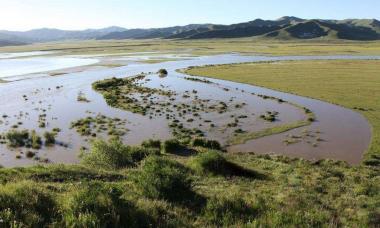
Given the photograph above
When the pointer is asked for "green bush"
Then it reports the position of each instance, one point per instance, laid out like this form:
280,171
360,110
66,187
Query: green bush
163,179
114,154
210,144
156,144
36,140
95,205
172,146
163,71
25,204
211,162
49,138
138,154
17,138
228,211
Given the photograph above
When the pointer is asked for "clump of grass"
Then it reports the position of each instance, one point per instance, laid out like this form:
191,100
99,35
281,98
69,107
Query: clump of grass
96,205
91,126
214,163
28,139
82,97
49,138
162,72
172,146
17,138
159,176
211,162
205,143
115,155
36,140
229,211
156,144
270,116
25,204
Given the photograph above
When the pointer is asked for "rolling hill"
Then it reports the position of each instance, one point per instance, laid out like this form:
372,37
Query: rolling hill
48,35
284,28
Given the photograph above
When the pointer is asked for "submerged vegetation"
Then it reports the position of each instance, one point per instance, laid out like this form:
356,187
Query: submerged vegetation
120,93
28,139
198,80
187,114
100,124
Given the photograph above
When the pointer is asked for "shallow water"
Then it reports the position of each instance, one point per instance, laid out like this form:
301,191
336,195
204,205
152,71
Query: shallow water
24,54
344,134
22,66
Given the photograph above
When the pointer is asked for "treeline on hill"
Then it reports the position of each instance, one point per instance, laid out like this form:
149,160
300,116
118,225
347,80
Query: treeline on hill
188,183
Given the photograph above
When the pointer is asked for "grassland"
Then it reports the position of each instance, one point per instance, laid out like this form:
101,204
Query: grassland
121,186
352,84
206,47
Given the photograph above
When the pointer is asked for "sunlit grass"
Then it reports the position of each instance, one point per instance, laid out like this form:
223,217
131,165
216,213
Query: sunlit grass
206,47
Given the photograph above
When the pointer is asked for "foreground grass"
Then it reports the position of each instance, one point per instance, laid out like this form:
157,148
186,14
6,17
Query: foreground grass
121,186
352,84
207,47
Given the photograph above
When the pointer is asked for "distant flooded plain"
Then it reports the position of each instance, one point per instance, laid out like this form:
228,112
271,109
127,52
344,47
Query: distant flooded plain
32,95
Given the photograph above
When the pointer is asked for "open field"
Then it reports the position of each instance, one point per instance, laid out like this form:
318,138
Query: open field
352,84
247,46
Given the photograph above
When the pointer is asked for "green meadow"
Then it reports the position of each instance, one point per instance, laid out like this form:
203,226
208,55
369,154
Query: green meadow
246,46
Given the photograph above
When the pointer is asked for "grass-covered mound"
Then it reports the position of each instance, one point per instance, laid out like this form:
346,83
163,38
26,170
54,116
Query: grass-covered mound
98,205
207,189
25,203
162,178
214,163
115,155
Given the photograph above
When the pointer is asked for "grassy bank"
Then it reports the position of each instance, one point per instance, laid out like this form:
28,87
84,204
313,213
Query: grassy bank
353,84
121,186
207,47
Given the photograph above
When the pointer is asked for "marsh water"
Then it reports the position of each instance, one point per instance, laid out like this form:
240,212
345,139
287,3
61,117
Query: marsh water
338,133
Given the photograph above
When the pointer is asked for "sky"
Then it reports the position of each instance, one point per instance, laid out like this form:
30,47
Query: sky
23,15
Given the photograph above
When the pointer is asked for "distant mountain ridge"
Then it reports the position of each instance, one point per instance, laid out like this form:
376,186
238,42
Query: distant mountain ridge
48,34
283,28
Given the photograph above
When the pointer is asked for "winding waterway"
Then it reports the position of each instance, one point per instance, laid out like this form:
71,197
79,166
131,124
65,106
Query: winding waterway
342,134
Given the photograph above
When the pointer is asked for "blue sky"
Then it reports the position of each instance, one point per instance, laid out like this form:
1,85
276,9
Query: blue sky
80,14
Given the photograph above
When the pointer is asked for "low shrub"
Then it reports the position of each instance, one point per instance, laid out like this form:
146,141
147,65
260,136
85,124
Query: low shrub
163,179
210,144
49,138
156,144
163,72
213,162
172,146
114,154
